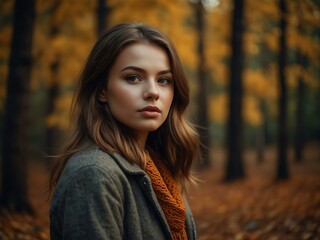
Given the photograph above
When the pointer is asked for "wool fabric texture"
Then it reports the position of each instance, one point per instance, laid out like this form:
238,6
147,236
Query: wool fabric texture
169,196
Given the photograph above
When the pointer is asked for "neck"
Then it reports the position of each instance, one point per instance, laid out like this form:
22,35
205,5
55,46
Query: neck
142,139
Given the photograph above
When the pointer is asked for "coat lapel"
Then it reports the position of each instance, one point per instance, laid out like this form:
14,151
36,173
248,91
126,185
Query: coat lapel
146,186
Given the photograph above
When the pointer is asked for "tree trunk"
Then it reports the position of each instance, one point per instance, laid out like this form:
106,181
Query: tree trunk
14,169
261,133
53,85
301,95
282,168
300,117
53,94
203,121
102,12
234,167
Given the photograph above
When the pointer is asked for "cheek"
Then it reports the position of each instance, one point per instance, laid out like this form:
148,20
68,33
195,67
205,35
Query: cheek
121,98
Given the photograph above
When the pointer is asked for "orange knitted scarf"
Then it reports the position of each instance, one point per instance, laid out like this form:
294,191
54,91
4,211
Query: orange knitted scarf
169,196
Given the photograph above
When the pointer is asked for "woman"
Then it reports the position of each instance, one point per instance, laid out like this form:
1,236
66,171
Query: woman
129,158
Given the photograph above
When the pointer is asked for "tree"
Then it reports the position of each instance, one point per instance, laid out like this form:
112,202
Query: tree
234,167
301,95
14,169
53,85
61,52
300,115
282,168
102,13
203,121
261,133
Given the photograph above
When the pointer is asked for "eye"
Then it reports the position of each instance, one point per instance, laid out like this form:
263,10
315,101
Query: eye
132,79
164,81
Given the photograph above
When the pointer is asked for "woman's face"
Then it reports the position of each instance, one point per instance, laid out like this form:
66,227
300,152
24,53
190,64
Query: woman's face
140,88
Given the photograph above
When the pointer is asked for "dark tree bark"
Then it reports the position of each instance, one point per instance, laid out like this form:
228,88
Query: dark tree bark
234,167
14,168
53,85
53,94
301,95
300,115
261,133
203,121
282,168
102,12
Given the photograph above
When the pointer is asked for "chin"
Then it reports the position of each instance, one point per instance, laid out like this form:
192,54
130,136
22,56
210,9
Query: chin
150,128
153,129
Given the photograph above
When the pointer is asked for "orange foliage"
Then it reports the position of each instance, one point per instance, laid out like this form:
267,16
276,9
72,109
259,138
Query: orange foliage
218,41
75,22
67,46
272,39
260,82
169,16
303,20
250,43
257,14
218,109
218,105
251,110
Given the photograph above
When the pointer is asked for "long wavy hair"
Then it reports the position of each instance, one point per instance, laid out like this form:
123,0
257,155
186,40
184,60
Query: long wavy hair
175,140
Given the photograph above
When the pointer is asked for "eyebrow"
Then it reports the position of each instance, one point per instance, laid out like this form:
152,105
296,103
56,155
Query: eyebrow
138,69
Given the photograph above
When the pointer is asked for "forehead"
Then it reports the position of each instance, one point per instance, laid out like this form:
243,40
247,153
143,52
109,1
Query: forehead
143,54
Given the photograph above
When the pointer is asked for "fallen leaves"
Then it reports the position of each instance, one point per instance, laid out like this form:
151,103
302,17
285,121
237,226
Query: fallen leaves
22,227
256,208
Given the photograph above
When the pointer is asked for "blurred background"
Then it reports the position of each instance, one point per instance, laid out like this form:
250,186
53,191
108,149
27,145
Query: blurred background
254,73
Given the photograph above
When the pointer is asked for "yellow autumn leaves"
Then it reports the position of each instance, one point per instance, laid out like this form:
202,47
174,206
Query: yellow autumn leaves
75,23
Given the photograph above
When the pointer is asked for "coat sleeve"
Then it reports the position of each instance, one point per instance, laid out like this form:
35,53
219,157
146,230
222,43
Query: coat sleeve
91,207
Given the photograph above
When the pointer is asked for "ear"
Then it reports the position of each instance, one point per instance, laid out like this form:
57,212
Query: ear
103,96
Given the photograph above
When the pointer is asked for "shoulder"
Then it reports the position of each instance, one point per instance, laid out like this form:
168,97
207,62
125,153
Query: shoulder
91,173
89,167
91,157
94,157
92,165
91,184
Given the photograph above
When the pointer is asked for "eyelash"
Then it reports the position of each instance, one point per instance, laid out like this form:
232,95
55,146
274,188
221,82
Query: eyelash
133,79
168,80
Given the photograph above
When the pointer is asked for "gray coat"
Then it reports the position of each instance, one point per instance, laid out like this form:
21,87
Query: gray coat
102,196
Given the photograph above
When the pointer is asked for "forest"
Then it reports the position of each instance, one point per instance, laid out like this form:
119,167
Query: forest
254,72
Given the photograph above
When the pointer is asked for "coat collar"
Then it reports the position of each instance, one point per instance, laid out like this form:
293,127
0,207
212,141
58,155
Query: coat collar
126,166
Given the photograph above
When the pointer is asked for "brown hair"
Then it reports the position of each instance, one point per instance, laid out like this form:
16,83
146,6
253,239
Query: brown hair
175,141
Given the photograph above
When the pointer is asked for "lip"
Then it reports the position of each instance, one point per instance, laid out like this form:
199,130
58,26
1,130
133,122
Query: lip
150,112
150,109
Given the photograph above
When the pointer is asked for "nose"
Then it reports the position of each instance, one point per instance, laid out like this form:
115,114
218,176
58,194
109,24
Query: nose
151,91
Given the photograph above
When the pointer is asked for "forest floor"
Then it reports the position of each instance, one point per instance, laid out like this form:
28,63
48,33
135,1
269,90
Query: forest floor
256,208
